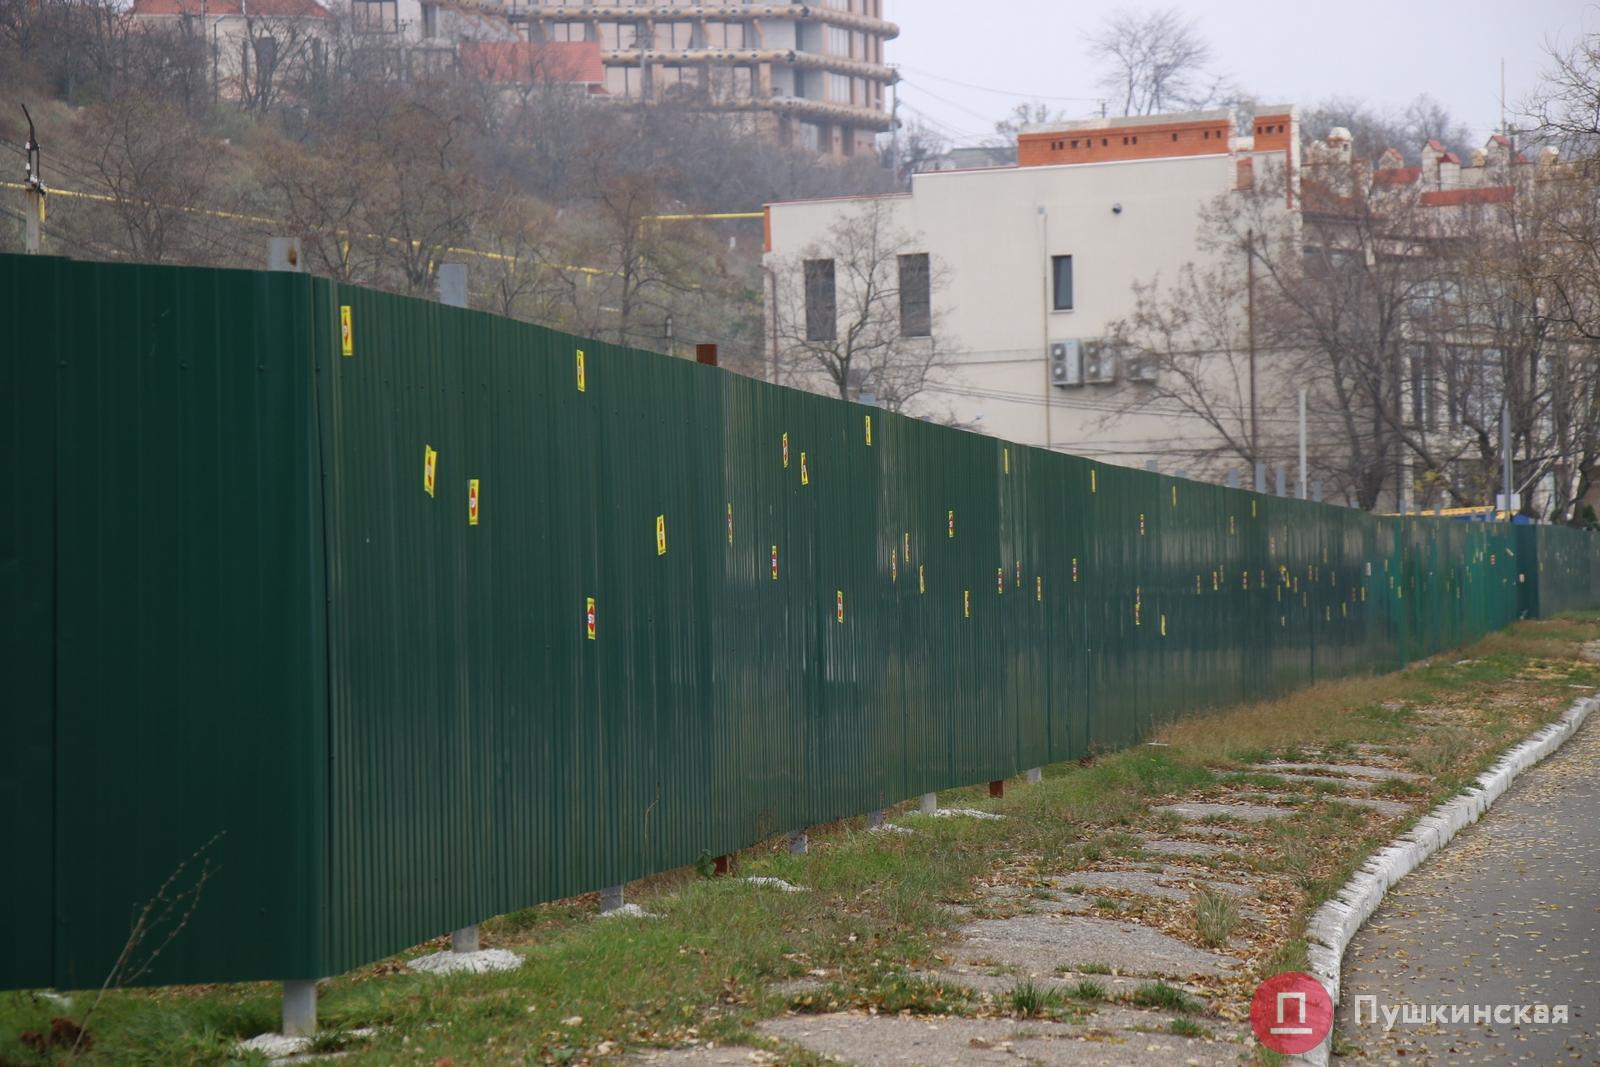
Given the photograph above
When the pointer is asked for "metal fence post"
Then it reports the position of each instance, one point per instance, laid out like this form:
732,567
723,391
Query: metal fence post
1261,477
611,899
299,1008
452,280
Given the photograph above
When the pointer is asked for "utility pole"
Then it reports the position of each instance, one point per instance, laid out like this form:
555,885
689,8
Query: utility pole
1505,454
32,192
1302,442
1250,331
894,125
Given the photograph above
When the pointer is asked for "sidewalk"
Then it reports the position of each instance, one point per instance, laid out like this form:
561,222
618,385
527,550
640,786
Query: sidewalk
1508,913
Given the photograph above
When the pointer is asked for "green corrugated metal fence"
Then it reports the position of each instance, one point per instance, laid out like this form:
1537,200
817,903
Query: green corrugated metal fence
238,614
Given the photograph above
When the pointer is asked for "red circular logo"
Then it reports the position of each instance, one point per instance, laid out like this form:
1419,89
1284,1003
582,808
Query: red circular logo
1291,1013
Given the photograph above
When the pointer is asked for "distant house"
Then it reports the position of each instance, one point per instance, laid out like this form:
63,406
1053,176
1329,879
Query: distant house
252,44
576,63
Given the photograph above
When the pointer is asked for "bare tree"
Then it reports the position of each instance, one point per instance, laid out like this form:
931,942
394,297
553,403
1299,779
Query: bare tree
858,311
1154,61
156,166
1566,107
1030,113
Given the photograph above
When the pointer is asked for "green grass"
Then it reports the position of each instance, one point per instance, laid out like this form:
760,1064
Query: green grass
1164,996
1215,916
1187,1028
1087,989
1091,968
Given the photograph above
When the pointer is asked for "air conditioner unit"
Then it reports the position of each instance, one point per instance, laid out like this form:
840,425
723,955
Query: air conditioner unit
1144,371
1099,362
1066,364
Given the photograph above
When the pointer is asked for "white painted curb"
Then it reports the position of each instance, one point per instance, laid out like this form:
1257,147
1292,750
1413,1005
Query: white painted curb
1336,922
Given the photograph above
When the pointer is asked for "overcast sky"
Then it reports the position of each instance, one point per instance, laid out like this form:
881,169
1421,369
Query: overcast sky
1384,51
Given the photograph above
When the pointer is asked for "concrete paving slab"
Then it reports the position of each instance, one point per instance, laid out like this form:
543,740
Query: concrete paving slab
980,980
1171,846
704,1056
1322,779
896,1041
1390,808
1196,810
1353,770
1044,943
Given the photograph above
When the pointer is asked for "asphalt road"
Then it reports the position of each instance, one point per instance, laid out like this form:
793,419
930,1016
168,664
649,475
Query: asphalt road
1507,914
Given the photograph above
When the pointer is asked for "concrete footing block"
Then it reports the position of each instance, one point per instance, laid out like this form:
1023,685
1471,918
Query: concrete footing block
930,803
799,843
300,1008
465,939
611,899
1035,775
876,820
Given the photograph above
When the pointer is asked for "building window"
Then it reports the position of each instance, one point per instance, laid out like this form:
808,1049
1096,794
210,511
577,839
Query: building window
1061,267
618,36
375,16
822,313
916,296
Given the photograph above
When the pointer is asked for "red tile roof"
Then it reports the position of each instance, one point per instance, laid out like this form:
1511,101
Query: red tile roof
292,9
521,61
1436,146
1489,194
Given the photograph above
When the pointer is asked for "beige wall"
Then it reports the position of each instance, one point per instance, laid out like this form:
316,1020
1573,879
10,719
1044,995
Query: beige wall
995,232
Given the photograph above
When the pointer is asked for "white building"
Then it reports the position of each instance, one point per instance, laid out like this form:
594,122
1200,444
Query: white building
1041,257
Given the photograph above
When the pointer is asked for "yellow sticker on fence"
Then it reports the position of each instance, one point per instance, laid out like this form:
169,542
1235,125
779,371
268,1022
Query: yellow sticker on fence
430,469
730,524
1163,626
774,562
839,601
966,603
472,502
922,580
894,565
583,380
1000,581
589,619
869,430
1006,452
785,451
1038,588
347,333
805,470
906,539
1091,482
661,535
950,523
